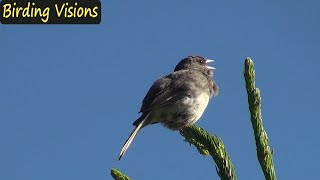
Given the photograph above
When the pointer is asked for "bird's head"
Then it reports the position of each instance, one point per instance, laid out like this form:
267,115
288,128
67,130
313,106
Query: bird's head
195,62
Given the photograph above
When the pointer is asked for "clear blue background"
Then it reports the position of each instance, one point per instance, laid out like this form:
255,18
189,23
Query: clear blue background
69,93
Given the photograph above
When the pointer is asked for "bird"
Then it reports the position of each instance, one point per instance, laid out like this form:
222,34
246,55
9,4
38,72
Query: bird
178,99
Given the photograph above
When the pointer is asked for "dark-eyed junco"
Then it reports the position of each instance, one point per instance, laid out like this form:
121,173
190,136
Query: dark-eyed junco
177,99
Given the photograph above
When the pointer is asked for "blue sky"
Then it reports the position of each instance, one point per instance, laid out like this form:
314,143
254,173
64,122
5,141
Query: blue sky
69,93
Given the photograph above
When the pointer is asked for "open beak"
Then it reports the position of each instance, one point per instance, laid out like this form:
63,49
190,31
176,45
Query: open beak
209,67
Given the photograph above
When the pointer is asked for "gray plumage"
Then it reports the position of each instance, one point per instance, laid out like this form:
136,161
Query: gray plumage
177,99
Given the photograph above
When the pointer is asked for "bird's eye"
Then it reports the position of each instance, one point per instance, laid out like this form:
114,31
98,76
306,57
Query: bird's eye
201,61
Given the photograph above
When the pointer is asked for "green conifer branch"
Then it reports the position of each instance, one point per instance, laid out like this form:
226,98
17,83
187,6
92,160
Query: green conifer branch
210,144
117,175
262,143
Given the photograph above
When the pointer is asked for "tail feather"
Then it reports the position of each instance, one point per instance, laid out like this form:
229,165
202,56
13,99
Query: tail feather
133,135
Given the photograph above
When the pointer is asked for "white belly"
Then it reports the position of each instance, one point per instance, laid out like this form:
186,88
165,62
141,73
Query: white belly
184,112
200,105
